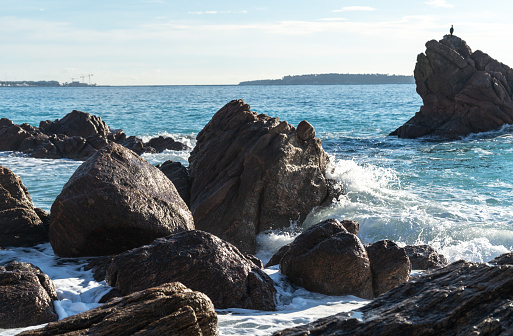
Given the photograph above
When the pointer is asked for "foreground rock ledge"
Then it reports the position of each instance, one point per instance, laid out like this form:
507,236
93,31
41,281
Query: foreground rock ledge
460,299
251,173
171,309
463,92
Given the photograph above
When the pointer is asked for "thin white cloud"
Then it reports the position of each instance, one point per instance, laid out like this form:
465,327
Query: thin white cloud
218,12
333,19
439,3
355,9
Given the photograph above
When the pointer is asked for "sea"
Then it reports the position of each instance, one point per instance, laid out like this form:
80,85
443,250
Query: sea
456,196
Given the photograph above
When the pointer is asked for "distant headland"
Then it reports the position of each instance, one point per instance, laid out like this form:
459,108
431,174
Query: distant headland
335,79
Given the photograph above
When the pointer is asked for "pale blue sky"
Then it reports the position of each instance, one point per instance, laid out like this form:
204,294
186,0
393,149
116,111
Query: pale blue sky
144,42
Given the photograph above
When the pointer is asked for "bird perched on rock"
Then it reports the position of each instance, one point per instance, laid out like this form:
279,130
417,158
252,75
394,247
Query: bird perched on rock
451,30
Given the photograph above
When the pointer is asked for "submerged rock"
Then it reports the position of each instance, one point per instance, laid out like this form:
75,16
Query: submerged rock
170,309
327,259
113,202
462,91
251,173
390,265
460,299
77,136
202,262
26,296
21,224
424,257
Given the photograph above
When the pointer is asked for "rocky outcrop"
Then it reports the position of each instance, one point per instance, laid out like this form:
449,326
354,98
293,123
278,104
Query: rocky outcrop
77,136
20,223
327,259
113,202
424,257
26,296
170,309
460,299
351,226
251,173
390,265
462,91
179,175
202,262
503,259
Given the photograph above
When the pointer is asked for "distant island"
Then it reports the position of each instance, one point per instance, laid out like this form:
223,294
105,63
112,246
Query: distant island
335,79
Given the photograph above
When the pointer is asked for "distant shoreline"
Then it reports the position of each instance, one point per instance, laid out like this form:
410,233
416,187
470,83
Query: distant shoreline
335,79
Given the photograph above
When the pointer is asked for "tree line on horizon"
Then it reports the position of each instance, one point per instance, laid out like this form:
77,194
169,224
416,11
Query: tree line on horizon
334,79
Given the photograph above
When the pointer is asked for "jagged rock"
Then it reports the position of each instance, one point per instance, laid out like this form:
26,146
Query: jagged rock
460,299
77,136
179,175
424,257
170,309
327,259
463,92
20,223
202,262
26,296
251,173
390,265
113,202
503,259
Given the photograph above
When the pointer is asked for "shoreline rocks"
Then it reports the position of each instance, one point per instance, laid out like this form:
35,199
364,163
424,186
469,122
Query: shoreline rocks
202,262
170,309
251,173
77,136
21,224
462,91
26,296
113,202
460,299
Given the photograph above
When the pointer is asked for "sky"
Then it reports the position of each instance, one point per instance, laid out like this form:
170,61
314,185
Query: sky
175,42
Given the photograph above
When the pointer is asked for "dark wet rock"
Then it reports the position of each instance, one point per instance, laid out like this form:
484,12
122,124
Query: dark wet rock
99,267
503,259
424,257
170,309
462,91
276,258
113,202
202,262
390,265
76,123
460,299
26,296
179,175
20,223
162,143
252,173
327,259
77,136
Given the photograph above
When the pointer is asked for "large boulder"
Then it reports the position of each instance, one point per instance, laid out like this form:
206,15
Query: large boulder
251,173
26,296
76,123
170,309
327,259
202,262
424,257
390,265
113,202
463,92
20,223
460,299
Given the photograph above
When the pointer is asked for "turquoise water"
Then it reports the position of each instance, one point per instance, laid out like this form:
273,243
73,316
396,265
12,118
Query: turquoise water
455,195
